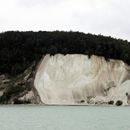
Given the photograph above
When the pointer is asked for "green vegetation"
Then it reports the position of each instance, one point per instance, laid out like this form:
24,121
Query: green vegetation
18,50
12,91
119,103
111,102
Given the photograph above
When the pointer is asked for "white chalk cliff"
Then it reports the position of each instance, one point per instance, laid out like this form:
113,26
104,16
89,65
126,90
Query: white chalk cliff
75,79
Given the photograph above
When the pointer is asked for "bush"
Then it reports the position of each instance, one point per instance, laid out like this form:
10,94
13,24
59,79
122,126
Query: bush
111,102
119,103
82,101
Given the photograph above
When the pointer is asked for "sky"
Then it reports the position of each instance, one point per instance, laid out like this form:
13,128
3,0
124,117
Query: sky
106,17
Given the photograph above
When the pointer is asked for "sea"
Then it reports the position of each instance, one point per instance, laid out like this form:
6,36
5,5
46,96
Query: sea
40,117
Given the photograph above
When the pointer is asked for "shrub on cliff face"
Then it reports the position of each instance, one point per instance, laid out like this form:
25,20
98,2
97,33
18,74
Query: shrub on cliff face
111,102
119,103
82,101
10,92
17,101
13,91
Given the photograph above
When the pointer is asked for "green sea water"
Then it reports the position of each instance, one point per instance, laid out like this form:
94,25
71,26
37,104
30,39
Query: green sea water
24,117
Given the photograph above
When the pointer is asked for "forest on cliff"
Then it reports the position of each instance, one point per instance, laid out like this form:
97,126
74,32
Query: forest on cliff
18,50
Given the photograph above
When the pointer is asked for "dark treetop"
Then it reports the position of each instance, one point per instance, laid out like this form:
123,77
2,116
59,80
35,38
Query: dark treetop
18,50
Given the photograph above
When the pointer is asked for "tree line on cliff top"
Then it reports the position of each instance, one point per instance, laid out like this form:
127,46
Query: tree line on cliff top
18,50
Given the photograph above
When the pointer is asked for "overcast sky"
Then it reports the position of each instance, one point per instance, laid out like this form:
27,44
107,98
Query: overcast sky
106,17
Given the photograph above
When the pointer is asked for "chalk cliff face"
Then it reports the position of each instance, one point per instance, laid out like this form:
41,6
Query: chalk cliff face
76,79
